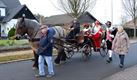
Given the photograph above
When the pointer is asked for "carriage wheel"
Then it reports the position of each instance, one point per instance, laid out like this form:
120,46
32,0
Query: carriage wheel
103,51
86,51
69,52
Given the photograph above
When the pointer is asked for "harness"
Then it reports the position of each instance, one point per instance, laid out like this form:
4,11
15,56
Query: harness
59,32
33,39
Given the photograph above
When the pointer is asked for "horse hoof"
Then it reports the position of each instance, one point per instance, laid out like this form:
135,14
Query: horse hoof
56,64
34,68
62,62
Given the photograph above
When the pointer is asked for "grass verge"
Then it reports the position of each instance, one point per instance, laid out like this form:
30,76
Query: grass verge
17,57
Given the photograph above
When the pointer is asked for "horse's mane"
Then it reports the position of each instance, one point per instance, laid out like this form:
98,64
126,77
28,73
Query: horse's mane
32,24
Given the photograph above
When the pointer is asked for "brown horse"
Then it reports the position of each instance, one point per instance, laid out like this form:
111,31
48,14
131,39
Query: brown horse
31,28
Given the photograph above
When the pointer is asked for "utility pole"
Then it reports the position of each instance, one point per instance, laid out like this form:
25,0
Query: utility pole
112,11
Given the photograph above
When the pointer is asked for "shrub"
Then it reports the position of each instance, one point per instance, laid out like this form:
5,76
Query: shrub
11,32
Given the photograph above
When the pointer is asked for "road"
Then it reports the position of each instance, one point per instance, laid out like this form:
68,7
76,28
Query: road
75,68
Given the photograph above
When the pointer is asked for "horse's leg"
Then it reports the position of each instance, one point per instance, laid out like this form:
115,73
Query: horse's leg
57,59
61,56
36,56
34,46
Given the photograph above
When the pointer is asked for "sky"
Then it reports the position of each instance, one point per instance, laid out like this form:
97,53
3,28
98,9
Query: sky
101,11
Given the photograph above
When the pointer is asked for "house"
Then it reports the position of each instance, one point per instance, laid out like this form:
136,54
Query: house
10,11
59,20
129,27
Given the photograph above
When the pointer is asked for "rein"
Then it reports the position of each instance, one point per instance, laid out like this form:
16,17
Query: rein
33,39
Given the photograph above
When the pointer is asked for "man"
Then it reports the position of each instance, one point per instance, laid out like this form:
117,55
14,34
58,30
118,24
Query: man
75,29
45,51
110,33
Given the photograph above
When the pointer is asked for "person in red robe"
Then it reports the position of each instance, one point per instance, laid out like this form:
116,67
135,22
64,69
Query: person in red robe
96,35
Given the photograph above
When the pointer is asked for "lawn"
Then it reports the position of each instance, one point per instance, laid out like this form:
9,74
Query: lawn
13,42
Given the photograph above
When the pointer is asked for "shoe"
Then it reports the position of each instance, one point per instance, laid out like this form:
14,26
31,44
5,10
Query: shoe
109,60
50,75
121,65
39,75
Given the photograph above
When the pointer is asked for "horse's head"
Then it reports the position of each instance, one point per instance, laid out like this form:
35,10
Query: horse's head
20,28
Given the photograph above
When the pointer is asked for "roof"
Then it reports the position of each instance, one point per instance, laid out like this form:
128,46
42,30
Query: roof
11,3
2,5
15,10
65,19
130,24
58,19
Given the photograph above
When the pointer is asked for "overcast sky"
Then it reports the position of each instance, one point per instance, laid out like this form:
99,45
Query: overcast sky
102,9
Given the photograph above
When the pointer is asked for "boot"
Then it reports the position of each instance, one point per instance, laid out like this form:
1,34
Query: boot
121,65
109,60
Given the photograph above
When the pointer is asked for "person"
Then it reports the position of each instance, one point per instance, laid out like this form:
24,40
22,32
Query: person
75,29
96,33
109,36
120,45
86,28
45,51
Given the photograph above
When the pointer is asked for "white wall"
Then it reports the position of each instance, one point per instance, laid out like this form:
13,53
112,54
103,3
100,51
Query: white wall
3,12
5,27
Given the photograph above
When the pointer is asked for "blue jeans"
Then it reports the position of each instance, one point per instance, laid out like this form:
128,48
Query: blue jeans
49,64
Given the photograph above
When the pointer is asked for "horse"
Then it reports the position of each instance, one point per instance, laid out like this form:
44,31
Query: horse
32,28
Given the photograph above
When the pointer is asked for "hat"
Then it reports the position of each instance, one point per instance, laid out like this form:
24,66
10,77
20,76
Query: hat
85,24
108,23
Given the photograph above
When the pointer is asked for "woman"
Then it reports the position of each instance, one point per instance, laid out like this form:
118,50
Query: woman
120,45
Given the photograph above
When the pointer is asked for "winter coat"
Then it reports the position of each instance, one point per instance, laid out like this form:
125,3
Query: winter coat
46,43
120,43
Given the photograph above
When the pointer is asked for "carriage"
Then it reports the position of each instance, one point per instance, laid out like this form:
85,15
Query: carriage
77,45
83,44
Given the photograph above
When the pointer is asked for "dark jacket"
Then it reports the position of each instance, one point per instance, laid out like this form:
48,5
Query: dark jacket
46,43
75,31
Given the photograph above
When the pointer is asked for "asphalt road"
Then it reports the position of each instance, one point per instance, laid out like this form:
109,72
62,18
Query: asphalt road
75,68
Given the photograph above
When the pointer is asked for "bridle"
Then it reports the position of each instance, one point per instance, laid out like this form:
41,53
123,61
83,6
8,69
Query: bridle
33,39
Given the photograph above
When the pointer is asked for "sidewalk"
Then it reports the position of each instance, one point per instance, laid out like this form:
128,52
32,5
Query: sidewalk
127,74
133,40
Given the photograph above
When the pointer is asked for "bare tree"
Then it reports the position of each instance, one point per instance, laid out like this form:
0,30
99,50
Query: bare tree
40,18
130,7
75,8
123,21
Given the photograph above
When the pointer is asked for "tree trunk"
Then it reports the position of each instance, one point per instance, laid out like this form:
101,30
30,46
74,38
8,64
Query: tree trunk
134,32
